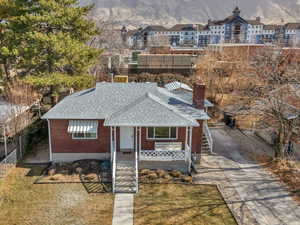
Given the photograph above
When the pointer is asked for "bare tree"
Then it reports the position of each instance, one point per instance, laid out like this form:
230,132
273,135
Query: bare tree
222,71
20,98
255,78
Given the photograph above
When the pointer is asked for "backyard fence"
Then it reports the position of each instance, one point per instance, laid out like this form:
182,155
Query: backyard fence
9,162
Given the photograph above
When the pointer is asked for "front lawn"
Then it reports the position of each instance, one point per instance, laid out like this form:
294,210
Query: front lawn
170,204
24,203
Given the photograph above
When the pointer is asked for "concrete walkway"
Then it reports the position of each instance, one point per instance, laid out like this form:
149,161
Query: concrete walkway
254,195
123,209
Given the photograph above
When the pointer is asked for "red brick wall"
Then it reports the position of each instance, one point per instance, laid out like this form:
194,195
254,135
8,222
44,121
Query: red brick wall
197,138
150,144
62,141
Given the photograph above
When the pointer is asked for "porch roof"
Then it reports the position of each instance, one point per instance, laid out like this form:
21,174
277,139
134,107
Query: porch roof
149,110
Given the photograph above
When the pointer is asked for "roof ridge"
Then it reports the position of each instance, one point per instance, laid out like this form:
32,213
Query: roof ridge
155,98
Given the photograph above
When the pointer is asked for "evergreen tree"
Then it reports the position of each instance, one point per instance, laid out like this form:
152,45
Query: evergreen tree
47,37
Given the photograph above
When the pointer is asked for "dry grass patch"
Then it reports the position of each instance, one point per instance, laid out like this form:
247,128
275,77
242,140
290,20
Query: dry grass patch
287,171
170,204
25,203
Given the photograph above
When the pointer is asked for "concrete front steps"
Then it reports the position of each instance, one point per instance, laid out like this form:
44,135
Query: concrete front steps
205,150
125,181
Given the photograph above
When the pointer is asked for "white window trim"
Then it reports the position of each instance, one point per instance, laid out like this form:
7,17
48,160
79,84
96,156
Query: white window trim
84,138
162,138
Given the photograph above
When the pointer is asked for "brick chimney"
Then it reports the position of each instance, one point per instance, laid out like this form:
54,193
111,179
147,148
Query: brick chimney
199,94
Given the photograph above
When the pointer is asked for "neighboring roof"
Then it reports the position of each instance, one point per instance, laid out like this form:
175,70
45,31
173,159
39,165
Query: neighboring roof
270,27
132,32
148,111
188,96
177,85
292,26
109,98
182,27
9,110
155,28
254,22
228,19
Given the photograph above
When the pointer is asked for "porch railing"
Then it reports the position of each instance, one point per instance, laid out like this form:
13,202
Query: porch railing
8,163
162,155
208,137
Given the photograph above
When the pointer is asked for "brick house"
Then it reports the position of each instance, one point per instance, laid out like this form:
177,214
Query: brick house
135,125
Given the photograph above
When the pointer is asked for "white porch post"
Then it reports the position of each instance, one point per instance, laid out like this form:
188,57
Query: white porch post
111,145
186,143
50,144
190,152
140,139
191,137
115,138
136,138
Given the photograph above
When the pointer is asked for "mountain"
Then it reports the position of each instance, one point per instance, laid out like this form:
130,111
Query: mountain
169,12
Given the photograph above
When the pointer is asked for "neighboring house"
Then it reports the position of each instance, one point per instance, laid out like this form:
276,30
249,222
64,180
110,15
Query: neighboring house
13,119
286,103
166,63
232,29
185,92
135,125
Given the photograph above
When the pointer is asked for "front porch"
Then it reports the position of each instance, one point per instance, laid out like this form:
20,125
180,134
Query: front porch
153,164
134,148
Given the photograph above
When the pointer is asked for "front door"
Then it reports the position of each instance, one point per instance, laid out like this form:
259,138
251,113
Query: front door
126,138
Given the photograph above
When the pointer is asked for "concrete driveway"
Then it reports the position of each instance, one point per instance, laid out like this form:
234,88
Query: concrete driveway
254,195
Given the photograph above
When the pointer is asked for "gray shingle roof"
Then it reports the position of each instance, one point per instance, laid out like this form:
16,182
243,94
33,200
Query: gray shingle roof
109,98
188,96
177,85
150,110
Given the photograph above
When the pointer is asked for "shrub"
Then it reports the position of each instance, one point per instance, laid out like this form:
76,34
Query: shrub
152,176
187,179
145,172
176,173
167,177
161,173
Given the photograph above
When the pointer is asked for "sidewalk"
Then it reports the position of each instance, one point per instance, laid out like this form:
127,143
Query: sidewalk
123,209
254,195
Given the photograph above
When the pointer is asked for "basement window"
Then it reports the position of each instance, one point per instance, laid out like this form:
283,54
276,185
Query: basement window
166,133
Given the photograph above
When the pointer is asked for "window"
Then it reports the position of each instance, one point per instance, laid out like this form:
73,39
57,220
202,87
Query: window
162,133
84,136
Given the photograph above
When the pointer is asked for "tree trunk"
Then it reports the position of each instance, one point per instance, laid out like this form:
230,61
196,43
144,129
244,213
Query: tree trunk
6,70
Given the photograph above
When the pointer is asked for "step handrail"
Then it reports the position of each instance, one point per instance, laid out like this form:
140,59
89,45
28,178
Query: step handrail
208,137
